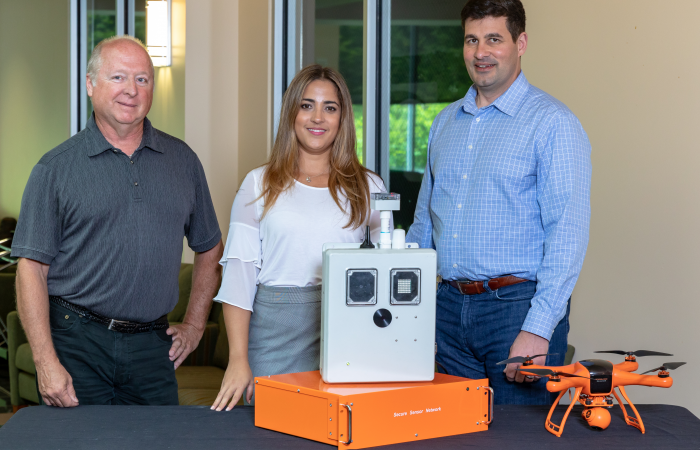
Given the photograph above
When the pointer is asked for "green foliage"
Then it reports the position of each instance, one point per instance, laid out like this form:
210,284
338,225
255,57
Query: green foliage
440,77
100,26
140,27
440,73
358,113
350,61
398,134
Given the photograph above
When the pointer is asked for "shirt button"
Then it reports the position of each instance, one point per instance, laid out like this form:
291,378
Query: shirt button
132,162
470,147
478,119
459,206
136,183
454,236
464,177
454,265
114,151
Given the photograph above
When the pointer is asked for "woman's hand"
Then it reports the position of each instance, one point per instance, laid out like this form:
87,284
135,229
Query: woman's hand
237,380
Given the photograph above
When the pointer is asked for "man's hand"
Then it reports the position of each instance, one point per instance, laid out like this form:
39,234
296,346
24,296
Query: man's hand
185,339
56,385
526,344
206,276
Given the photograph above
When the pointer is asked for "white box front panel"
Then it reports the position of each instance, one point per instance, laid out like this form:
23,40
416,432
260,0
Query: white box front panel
356,350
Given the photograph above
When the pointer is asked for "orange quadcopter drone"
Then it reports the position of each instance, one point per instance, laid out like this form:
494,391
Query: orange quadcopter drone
594,381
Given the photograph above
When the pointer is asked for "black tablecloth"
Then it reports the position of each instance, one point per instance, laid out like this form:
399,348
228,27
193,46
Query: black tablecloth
193,427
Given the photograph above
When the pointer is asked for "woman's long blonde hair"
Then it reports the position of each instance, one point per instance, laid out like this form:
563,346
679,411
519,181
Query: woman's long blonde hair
347,177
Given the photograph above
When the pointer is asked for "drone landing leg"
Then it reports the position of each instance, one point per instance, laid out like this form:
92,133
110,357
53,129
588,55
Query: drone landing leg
553,428
635,422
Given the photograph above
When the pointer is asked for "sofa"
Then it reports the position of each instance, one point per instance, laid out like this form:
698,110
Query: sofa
199,377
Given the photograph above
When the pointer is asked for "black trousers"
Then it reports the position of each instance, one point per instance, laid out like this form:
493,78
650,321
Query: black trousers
112,368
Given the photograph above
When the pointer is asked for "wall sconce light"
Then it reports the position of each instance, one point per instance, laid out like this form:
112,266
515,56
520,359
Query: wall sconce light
158,32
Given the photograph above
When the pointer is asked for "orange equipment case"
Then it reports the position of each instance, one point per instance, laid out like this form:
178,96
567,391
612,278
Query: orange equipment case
362,415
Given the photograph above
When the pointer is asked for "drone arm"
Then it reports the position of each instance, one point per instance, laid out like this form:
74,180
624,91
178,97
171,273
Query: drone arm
627,366
627,379
571,368
565,384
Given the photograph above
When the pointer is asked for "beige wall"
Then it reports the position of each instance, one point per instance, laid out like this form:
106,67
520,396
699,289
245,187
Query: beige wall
628,69
34,99
227,93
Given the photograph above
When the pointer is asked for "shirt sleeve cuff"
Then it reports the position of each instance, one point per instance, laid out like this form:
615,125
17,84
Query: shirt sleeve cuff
229,302
208,245
23,252
539,323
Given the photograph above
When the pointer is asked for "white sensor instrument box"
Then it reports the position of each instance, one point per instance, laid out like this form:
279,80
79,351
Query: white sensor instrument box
378,314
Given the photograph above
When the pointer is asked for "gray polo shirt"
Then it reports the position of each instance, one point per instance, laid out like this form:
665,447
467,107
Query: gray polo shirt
111,227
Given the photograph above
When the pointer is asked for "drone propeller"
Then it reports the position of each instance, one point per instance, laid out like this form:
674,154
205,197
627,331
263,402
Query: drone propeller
666,366
549,373
635,353
522,359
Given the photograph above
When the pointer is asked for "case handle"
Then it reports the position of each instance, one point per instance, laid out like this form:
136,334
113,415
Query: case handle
349,425
491,398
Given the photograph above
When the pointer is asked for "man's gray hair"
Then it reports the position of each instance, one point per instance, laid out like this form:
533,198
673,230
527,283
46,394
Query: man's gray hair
95,63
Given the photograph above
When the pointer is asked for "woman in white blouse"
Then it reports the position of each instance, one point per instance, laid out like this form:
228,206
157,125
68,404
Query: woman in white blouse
312,191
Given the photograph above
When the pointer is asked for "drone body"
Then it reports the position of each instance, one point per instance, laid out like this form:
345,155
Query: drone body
594,382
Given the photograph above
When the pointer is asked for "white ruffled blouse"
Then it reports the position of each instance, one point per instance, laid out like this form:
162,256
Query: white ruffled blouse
285,248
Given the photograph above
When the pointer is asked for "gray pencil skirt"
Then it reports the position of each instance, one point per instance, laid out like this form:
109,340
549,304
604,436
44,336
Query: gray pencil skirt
285,330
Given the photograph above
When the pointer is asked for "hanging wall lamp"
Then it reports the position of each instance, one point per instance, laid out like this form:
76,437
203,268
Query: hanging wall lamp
158,32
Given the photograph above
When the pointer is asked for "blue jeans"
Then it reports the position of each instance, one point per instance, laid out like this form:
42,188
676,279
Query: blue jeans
474,332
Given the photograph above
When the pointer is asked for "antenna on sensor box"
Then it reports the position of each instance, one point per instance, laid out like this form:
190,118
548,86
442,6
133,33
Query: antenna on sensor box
367,243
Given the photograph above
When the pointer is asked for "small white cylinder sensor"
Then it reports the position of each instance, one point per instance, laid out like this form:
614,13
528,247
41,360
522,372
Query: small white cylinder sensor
399,239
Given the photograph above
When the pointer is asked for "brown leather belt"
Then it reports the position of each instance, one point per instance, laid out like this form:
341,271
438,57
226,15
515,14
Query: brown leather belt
477,287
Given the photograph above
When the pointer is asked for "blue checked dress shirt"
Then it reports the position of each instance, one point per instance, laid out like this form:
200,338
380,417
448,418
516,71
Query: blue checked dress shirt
506,191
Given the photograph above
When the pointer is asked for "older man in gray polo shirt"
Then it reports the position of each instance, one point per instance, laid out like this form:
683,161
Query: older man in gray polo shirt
100,240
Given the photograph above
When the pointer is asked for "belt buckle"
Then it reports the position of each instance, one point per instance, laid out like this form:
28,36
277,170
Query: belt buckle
465,283
113,322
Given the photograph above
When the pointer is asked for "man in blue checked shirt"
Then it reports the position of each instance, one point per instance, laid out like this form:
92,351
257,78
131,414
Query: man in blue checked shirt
505,201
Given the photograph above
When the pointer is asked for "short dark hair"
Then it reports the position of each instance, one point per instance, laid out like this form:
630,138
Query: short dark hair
512,10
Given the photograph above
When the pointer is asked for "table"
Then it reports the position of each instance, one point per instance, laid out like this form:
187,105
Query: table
197,427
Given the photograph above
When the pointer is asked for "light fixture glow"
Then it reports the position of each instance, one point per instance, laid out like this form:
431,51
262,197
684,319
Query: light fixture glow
158,32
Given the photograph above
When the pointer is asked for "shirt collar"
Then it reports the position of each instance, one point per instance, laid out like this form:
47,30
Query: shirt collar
508,103
100,144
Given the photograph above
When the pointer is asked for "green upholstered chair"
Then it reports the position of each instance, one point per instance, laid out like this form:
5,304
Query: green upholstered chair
203,354
21,362
23,372
570,350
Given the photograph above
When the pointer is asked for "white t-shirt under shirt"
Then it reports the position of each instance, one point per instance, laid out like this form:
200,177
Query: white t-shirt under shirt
285,248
